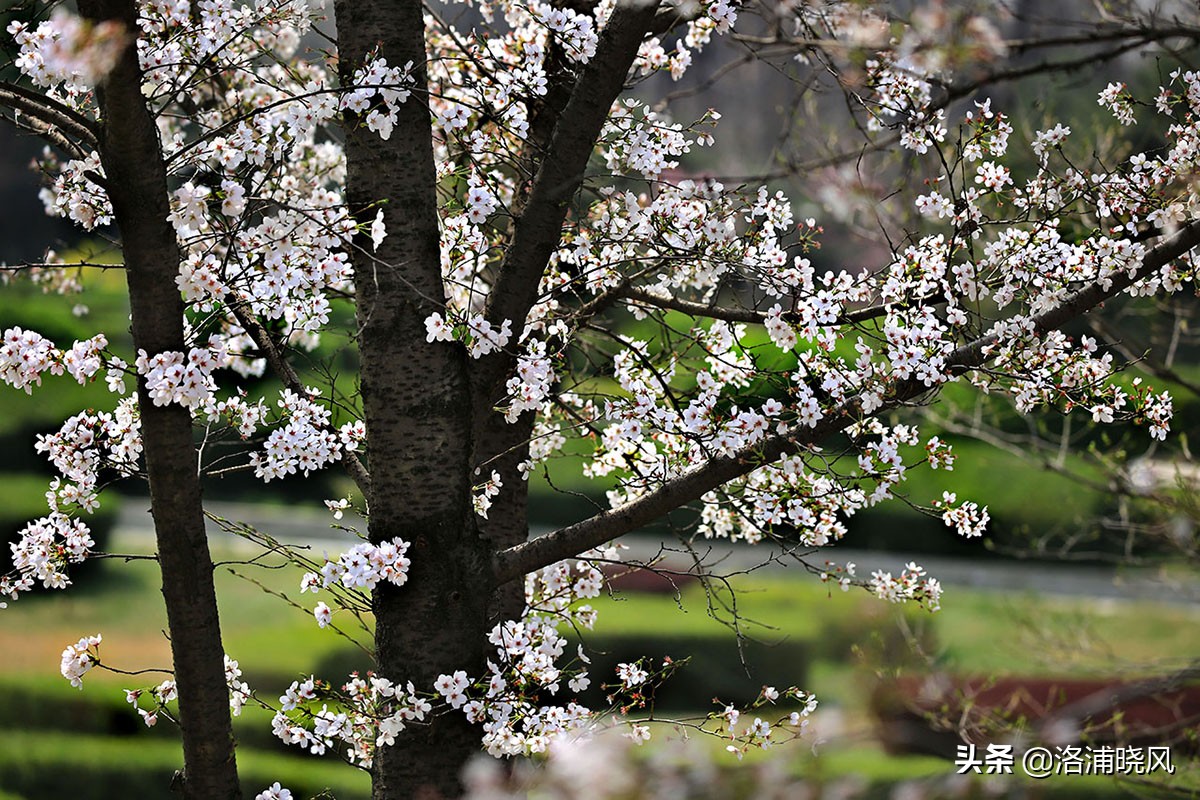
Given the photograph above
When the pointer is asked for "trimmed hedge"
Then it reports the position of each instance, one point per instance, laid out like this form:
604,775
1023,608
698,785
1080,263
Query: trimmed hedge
50,705
715,667
103,768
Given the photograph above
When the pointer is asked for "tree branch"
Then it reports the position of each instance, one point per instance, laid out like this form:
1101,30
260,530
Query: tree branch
50,114
1111,697
694,309
283,368
1123,41
50,134
537,230
1156,367
128,142
608,525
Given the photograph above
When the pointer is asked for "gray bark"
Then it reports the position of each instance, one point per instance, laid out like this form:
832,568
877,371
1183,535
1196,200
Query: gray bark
428,411
416,406
137,187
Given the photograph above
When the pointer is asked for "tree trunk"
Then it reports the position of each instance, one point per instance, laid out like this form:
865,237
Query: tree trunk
136,183
416,406
428,412
502,447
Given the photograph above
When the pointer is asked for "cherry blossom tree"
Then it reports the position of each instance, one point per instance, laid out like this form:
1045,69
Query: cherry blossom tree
491,191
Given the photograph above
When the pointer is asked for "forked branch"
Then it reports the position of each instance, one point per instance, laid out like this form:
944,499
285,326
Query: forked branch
608,525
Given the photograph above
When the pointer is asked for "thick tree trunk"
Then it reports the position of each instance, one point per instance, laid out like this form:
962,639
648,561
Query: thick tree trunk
502,447
416,405
429,414
137,187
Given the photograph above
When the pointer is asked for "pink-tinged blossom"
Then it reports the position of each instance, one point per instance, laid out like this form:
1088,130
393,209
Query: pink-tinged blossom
483,494
911,584
639,734
453,688
79,658
27,355
305,440
575,31
1117,100
438,330
233,203
239,690
68,49
967,518
338,507
172,377
378,230
362,567
631,675
274,792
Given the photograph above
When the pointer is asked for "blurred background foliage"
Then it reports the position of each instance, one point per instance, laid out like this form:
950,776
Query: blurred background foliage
1056,493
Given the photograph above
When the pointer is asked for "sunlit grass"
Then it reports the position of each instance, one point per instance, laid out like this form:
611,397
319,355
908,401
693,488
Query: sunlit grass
848,639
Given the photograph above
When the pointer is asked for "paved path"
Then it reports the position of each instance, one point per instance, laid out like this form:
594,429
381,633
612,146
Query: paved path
313,527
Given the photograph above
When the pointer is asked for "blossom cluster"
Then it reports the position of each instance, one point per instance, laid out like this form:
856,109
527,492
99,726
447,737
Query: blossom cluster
172,377
640,141
27,355
306,441
72,193
47,545
65,50
530,386
163,694
239,690
274,792
1119,102
160,695
904,95
475,331
80,658
372,712
576,31
377,90
717,17
85,444
911,584
482,495
968,519
368,713
362,567
759,733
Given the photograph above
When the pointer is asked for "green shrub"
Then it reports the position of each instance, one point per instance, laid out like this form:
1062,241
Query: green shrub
50,704
102,768
716,667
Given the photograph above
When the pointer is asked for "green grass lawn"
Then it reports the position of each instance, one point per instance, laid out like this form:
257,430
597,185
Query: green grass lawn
51,728
261,631
976,631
